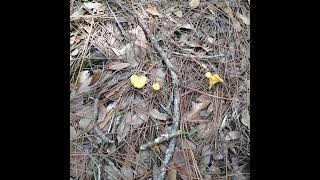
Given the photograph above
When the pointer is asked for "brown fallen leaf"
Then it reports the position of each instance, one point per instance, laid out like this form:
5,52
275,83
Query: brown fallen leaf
118,65
193,44
178,13
181,164
83,75
96,76
203,130
137,119
85,86
153,10
84,123
245,19
187,145
120,52
233,150
195,110
109,112
134,53
102,113
194,3
135,50
157,115
186,26
170,10
205,157
232,135
139,33
235,23
224,122
206,113
86,116
122,130
113,91
210,108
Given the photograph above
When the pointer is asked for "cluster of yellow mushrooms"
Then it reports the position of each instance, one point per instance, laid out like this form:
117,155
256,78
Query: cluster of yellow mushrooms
140,81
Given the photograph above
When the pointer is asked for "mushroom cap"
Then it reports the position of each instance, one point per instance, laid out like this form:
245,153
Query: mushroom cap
217,78
138,81
156,86
214,80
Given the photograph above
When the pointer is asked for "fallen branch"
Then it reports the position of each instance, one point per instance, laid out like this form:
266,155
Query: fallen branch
158,140
176,95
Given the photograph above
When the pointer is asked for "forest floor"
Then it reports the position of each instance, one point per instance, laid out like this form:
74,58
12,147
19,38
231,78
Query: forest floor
115,116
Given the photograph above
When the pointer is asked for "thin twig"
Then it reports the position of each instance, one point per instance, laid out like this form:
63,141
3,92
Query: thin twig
115,17
158,140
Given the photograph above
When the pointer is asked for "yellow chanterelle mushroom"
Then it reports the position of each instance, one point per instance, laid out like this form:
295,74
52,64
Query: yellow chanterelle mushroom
213,79
138,81
156,86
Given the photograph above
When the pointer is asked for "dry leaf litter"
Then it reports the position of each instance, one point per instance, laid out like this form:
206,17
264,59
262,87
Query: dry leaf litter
112,58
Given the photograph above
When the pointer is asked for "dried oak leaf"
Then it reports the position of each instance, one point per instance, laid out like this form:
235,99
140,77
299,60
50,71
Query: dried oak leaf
232,135
181,164
194,3
196,108
157,115
153,10
118,65
203,130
